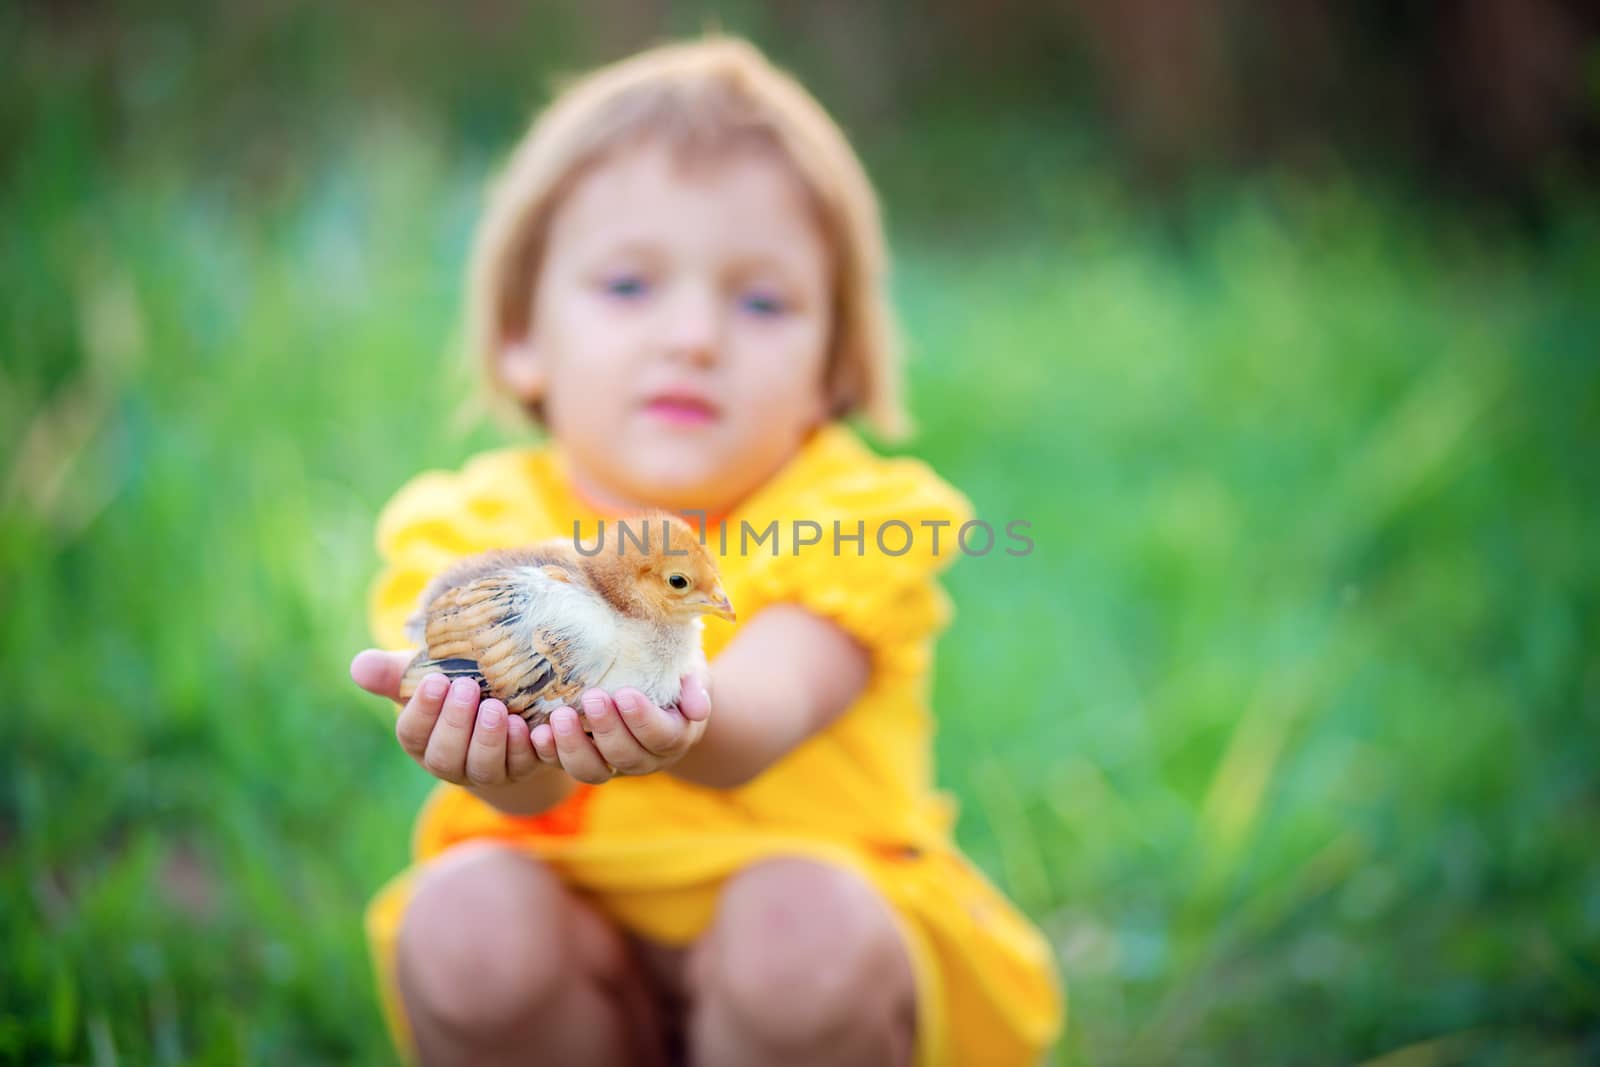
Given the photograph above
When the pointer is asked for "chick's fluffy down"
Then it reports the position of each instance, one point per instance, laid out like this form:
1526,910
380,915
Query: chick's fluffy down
536,627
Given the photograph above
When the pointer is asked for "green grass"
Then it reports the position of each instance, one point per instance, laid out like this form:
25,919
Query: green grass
1286,732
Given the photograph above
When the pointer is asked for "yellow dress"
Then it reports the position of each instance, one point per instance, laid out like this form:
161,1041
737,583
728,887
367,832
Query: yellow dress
653,851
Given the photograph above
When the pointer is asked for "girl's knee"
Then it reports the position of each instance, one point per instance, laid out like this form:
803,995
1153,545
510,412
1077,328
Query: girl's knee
801,952
488,936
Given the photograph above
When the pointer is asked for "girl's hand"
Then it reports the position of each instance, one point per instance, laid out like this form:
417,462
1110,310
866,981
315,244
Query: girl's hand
631,736
446,729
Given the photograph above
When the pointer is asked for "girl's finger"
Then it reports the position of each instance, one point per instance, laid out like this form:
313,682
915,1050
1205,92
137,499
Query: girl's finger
694,698
378,672
615,744
446,756
544,744
578,754
521,759
414,725
486,755
659,731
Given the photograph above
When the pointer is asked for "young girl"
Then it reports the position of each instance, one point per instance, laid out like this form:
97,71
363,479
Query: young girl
681,277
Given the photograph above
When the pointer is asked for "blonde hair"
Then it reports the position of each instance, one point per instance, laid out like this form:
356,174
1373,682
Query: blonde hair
699,98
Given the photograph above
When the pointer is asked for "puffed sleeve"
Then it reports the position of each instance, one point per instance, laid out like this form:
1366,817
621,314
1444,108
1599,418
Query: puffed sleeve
439,517
880,586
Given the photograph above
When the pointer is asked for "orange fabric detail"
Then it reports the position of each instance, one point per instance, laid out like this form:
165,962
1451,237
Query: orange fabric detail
566,819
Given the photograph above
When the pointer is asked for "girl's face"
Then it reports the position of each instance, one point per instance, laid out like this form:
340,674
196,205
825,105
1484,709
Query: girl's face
679,329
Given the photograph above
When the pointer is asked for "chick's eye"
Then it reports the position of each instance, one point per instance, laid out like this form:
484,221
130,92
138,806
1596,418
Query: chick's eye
678,581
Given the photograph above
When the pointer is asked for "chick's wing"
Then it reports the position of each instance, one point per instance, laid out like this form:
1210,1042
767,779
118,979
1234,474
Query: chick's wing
483,620
558,557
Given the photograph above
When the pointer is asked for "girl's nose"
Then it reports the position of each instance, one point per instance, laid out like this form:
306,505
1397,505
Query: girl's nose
694,325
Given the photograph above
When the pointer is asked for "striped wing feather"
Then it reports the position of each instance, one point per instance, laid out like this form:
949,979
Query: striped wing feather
478,624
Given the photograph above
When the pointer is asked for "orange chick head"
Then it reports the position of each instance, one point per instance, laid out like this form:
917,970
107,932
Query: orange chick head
674,576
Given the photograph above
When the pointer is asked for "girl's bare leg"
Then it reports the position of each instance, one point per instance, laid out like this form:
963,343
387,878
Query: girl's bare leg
499,963
803,964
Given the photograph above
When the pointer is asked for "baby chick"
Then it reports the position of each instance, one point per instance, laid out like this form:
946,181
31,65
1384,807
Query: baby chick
537,626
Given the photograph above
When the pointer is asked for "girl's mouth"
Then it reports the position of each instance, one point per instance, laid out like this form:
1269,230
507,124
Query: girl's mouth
681,409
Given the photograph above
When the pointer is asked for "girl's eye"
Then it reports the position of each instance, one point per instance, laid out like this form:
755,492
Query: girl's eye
763,304
625,286
678,582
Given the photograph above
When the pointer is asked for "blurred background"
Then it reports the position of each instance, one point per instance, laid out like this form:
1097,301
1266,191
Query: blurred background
1280,322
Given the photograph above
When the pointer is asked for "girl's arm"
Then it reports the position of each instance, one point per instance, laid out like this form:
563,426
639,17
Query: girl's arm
786,676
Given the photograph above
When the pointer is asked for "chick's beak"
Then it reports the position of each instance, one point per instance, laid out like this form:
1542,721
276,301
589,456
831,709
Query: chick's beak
716,603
